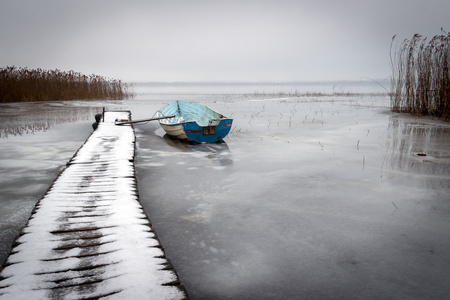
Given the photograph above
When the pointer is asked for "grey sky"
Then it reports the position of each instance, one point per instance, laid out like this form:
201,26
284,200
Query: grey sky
234,40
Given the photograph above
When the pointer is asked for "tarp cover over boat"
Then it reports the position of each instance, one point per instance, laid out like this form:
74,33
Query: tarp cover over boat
194,122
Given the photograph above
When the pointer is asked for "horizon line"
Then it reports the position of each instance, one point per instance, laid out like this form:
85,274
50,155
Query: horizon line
262,82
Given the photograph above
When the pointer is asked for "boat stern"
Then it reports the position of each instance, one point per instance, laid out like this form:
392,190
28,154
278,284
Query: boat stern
207,134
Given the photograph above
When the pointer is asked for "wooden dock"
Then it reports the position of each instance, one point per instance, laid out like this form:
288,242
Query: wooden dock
88,237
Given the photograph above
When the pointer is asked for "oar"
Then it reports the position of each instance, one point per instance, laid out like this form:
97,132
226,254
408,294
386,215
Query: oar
117,122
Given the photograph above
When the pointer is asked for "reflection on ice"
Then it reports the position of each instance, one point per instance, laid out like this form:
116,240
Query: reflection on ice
418,146
219,152
198,214
30,118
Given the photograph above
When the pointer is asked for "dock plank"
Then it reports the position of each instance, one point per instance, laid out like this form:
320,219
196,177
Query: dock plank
89,237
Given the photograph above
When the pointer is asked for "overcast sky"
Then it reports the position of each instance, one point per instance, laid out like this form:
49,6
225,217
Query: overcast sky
229,40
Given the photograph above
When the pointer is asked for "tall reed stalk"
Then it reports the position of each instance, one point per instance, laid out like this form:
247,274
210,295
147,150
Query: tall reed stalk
420,82
23,84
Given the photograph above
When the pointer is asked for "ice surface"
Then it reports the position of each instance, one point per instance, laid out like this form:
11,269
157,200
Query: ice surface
309,197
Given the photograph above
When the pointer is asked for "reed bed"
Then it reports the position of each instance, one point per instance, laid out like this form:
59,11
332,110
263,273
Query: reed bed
23,84
420,82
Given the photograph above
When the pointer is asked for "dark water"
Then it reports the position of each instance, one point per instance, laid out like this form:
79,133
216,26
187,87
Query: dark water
309,197
36,141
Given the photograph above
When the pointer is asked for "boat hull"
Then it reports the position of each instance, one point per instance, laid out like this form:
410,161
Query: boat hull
194,122
207,134
175,130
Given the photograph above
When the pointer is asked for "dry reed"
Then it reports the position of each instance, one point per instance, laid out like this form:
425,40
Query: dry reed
420,76
23,84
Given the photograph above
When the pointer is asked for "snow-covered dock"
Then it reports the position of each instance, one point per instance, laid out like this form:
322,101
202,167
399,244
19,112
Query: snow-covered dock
89,237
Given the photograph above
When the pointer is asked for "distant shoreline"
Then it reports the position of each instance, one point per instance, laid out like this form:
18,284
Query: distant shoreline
300,88
300,82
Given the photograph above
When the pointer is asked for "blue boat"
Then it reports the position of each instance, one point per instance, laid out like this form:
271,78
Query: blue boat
194,122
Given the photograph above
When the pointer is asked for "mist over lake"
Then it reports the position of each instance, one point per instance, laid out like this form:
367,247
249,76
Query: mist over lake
362,86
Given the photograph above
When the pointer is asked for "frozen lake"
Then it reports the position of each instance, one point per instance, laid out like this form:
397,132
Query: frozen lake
309,197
